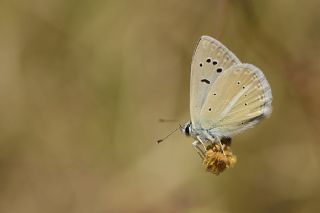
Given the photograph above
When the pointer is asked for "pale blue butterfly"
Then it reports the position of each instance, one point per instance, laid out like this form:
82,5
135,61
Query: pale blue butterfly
226,96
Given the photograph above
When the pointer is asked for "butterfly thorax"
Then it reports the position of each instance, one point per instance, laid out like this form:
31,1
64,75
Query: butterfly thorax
203,135
190,131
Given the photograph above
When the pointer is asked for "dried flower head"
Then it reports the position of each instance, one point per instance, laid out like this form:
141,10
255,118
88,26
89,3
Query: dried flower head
217,158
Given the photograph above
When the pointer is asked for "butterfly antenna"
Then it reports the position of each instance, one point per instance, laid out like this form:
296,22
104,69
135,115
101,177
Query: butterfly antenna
162,120
159,141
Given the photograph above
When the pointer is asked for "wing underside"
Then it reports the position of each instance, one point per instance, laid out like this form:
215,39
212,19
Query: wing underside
210,60
238,99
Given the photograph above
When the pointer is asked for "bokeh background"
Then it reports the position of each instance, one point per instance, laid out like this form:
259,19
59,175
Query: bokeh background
83,84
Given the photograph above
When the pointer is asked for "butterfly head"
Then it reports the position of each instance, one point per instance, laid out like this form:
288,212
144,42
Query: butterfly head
186,128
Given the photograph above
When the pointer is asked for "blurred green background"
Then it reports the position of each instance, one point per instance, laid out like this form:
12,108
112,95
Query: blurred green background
83,84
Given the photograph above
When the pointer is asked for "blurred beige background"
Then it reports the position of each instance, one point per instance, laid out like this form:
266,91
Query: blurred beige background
83,84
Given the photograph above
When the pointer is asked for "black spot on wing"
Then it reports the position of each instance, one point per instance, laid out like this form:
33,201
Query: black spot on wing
205,81
219,70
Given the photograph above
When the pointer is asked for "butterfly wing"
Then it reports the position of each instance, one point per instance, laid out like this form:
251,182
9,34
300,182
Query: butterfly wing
238,99
210,60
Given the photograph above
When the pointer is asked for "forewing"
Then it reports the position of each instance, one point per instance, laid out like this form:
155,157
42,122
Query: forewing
238,99
210,60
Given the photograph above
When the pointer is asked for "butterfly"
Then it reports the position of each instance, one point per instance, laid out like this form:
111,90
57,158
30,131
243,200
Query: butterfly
226,96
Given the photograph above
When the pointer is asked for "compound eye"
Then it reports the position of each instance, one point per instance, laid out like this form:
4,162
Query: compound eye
187,130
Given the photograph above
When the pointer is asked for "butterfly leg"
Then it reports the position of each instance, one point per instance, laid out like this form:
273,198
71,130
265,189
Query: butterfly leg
219,141
216,139
200,140
196,146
